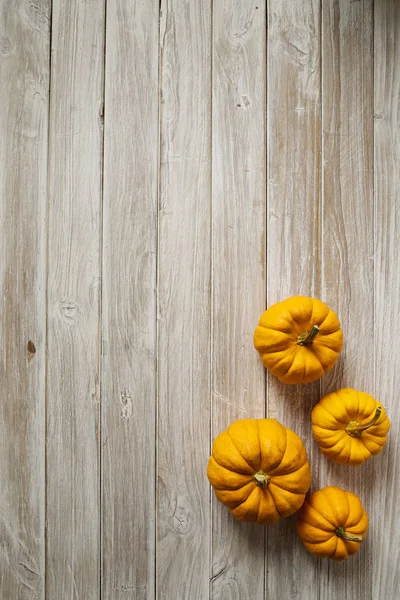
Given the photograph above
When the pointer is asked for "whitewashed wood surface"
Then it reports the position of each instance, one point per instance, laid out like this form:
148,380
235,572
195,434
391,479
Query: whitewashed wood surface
168,169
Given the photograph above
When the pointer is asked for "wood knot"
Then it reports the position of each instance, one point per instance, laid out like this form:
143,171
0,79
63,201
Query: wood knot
70,310
181,522
31,349
126,404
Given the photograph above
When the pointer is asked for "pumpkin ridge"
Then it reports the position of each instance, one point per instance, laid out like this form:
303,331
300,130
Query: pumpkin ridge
250,467
276,346
288,317
265,492
230,471
273,327
336,545
272,472
310,533
259,441
297,465
360,527
358,405
342,453
368,444
355,450
323,407
283,375
258,512
285,489
309,368
322,437
314,543
227,500
348,416
277,422
285,473
277,365
254,490
315,417
324,516
317,319
302,355
337,446
346,510
376,439
243,501
273,500
327,526
336,327
324,343
293,304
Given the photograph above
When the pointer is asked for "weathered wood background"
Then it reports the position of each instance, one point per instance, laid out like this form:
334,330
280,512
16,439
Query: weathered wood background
167,170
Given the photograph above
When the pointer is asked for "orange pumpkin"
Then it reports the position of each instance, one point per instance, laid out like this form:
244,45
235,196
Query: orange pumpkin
332,523
259,470
298,339
349,426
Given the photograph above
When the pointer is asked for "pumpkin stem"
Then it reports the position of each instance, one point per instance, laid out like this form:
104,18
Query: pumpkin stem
307,338
354,429
341,533
261,479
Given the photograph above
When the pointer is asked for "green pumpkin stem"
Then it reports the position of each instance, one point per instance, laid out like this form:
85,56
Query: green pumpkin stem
341,533
307,338
354,429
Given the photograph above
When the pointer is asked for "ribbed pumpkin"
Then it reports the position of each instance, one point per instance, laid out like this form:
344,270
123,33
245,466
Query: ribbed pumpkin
332,523
298,339
350,426
259,470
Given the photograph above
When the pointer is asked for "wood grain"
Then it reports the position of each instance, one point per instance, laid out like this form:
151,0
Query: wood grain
348,244
24,100
385,513
293,240
129,300
73,377
184,266
238,263
250,151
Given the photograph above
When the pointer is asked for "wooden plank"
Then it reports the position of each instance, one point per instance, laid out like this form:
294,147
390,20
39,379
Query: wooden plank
348,243
184,267
129,300
238,275
75,163
385,512
293,240
24,100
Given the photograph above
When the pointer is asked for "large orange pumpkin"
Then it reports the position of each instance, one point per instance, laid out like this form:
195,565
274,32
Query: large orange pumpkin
259,470
299,339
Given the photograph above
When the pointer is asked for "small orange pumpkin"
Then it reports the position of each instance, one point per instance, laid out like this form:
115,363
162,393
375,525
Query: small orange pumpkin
298,339
349,426
259,470
332,523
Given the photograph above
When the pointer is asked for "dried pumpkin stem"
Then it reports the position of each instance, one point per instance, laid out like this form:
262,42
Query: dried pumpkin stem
261,479
341,533
307,338
354,429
